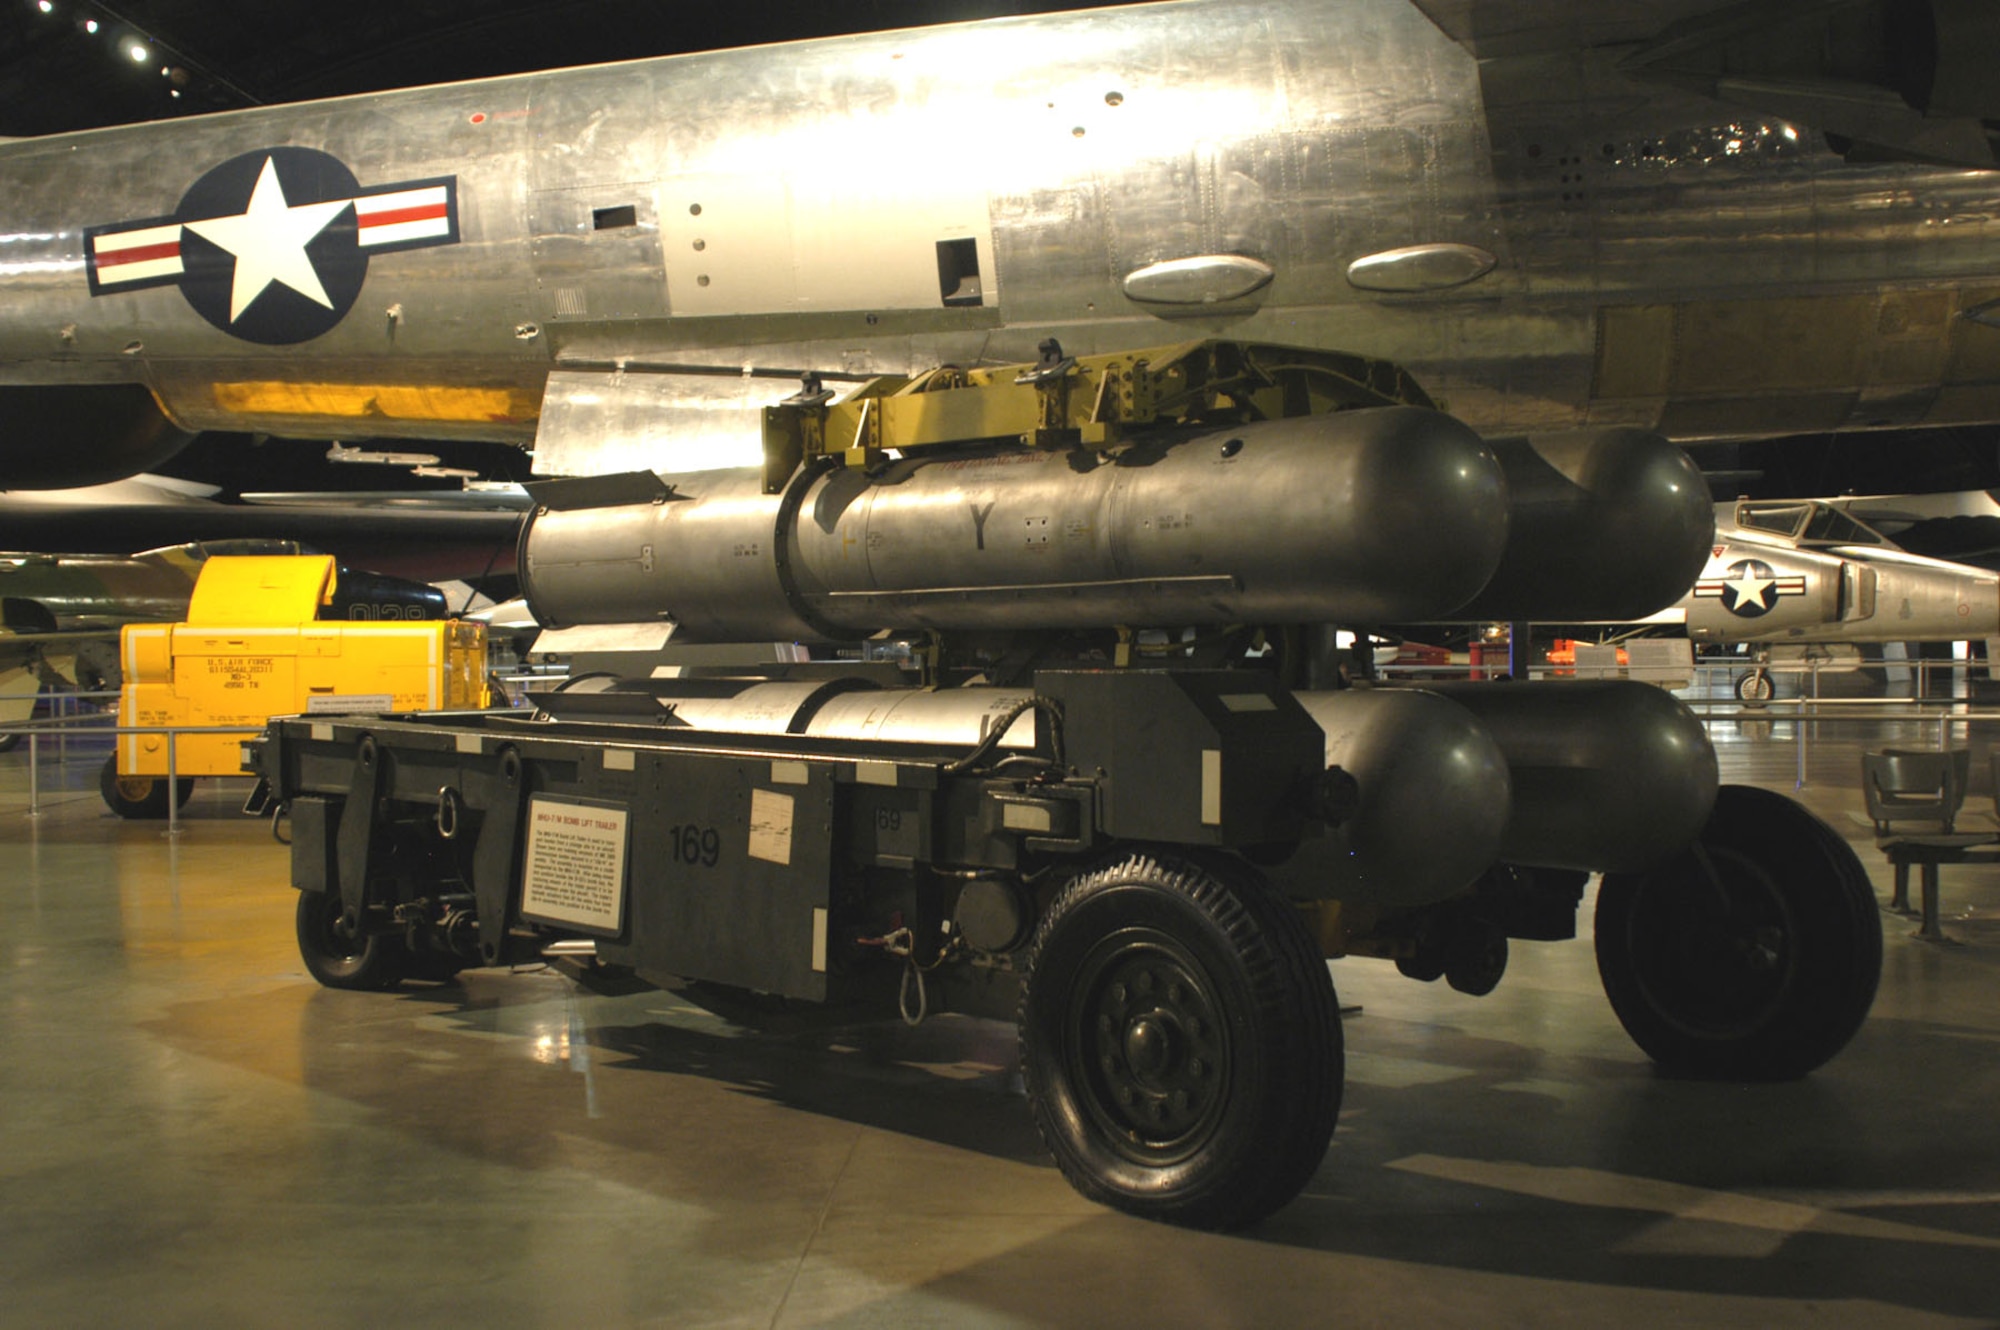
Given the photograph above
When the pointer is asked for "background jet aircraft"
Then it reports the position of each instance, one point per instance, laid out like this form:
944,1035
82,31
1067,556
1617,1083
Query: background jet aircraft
1962,526
1711,219
1803,572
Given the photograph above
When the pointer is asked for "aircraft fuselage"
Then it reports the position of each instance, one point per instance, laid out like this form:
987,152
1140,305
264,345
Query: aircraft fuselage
1544,242
1758,588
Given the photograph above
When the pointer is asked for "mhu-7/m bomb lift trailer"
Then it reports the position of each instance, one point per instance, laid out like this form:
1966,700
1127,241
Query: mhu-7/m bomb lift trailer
1088,771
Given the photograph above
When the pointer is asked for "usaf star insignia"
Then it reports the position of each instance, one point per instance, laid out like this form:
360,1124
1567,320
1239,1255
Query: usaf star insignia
272,246
1750,589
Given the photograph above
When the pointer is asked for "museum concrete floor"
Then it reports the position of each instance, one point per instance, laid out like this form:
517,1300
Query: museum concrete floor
193,1133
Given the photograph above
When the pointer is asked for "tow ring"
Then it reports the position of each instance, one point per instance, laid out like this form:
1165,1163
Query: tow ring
447,813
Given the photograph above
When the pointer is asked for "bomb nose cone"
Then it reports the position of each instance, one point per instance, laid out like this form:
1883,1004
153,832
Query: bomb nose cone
1607,524
1423,505
1434,799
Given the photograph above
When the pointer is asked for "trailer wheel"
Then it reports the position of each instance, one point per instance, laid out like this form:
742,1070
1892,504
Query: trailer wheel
1180,1042
139,797
374,962
1756,686
1752,955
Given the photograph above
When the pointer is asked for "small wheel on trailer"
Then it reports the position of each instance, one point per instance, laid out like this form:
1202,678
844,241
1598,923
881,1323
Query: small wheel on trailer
339,959
1752,955
1181,1042
139,796
1756,686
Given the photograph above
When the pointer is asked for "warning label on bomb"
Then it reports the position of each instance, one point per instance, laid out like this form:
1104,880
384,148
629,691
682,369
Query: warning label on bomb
575,870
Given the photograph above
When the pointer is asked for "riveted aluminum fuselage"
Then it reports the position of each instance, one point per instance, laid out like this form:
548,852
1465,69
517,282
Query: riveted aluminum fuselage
1656,259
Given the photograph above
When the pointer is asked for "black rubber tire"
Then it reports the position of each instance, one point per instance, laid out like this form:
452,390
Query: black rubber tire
1763,981
9,742
1756,686
1200,995
371,964
139,797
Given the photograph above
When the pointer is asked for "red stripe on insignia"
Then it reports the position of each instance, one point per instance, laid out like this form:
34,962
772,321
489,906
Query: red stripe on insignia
425,212
137,254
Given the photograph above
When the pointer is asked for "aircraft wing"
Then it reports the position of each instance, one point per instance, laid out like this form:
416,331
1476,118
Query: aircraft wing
1494,29
426,543
30,662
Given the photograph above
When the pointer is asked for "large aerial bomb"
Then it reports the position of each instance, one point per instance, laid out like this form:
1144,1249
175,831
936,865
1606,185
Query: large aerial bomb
1603,525
1391,515
1381,516
1607,775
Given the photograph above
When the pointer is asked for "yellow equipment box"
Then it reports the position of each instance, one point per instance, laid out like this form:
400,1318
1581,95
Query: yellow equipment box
251,649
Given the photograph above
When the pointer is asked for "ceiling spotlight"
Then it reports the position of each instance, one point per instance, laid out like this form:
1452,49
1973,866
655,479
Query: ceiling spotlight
140,55
90,26
46,6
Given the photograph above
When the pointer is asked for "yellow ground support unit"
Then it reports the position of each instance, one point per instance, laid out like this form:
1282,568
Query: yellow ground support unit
252,649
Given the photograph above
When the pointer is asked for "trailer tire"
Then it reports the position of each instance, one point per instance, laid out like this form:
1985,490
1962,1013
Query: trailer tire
139,797
373,963
1180,1042
1760,972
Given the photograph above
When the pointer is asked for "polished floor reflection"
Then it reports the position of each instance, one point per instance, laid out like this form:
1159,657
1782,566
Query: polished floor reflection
197,1135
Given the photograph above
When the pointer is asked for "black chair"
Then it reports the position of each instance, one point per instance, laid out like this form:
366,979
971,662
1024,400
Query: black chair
1915,799
1922,786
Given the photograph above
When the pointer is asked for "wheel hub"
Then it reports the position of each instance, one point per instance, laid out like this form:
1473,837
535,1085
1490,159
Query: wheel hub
1152,1046
1717,953
1155,1054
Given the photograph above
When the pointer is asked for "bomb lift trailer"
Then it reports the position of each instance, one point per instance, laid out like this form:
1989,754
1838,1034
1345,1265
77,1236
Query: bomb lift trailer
1141,847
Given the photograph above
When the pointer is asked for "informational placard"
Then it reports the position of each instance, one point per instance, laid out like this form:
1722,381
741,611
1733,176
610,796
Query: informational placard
349,704
771,826
574,876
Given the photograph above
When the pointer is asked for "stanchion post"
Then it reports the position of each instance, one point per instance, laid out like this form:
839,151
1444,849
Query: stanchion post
1799,744
34,774
173,788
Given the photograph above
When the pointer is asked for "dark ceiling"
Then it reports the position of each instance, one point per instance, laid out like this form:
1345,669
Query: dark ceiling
56,74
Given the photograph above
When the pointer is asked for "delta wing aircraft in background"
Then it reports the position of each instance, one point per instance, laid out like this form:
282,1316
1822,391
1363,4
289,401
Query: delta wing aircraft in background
1708,219
1962,526
1802,574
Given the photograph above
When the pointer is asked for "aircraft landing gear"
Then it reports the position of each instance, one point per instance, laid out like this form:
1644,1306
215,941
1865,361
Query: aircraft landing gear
1752,955
1754,686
